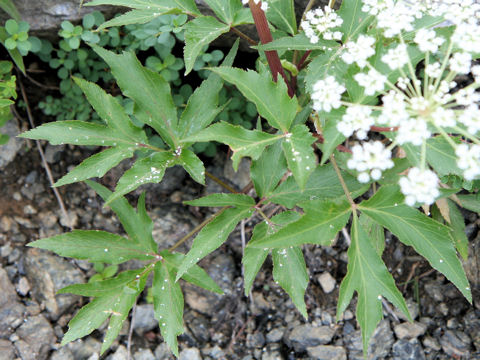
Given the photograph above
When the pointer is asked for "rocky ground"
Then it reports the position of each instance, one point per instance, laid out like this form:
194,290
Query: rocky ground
263,326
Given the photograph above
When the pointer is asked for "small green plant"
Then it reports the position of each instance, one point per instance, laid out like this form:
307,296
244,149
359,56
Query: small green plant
377,128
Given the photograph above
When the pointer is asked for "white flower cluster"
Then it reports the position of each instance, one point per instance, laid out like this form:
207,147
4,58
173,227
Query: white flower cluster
357,119
370,159
359,51
419,186
469,160
322,23
327,94
264,5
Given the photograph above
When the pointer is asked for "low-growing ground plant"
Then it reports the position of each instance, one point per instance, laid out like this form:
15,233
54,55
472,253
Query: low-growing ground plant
363,128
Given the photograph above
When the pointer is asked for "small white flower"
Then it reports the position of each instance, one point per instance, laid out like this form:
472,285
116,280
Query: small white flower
476,72
433,70
403,82
466,96
394,109
444,117
370,159
460,63
372,82
468,159
428,40
419,187
359,51
470,117
321,23
357,119
396,58
467,37
327,94
413,131
396,17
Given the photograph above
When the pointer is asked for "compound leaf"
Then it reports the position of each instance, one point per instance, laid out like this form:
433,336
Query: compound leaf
163,6
299,154
192,164
290,271
93,245
268,170
150,91
322,220
144,171
138,226
195,275
131,17
270,98
427,236
96,165
214,234
168,304
281,13
200,32
225,9
369,277
243,142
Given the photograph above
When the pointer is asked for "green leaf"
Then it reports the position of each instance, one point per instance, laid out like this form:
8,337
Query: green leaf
214,200
164,6
138,226
192,164
470,202
297,42
103,287
281,13
78,133
96,165
329,63
322,220
14,54
225,9
149,91
144,171
268,170
457,224
200,32
354,20
132,17
214,234
299,153
331,136
369,277
110,111
195,275
6,102
243,142
168,304
322,184
9,7
270,98
93,245
290,271
375,233
428,237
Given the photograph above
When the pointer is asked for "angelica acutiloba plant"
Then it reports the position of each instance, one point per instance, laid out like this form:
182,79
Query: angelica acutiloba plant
363,122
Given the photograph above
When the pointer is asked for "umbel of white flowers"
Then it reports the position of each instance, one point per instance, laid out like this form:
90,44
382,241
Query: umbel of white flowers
416,109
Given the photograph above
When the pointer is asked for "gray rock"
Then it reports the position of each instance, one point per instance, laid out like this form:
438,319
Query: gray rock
472,327
144,354
412,309
120,354
275,335
11,311
435,291
304,336
144,319
23,286
83,349
190,354
381,341
7,350
53,152
255,340
241,178
37,335
409,330
408,350
199,326
272,355
62,354
431,343
327,352
171,224
162,352
14,144
472,264
327,282
47,219
455,344
49,273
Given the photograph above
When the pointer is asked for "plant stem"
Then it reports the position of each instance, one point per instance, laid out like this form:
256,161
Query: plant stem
344,185
196,229
265,36
221,183
244,36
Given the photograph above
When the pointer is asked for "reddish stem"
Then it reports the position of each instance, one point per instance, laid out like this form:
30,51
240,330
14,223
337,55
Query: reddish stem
341,148
383,129
265,36
303,59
